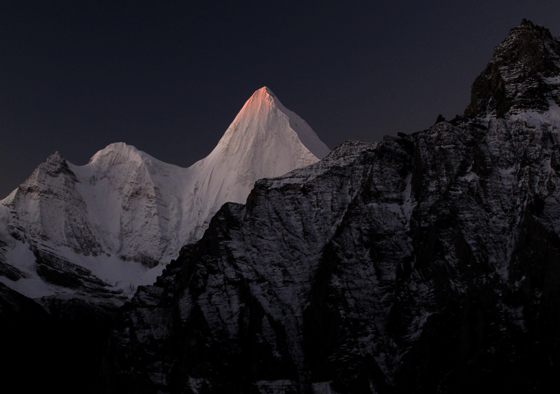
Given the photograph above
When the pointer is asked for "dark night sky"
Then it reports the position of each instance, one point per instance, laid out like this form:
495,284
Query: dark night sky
169,76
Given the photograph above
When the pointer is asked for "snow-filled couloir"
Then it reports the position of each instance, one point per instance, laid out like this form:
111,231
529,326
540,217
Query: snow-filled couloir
114,223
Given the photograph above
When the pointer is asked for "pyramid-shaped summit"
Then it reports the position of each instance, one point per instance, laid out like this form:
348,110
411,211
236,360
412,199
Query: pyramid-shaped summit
265,140
264,121
125,214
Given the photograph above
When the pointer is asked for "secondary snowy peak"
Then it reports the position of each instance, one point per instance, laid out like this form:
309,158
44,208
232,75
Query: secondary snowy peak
524,74
119,152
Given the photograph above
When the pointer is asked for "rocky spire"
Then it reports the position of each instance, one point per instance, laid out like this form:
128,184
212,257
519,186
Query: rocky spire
523,74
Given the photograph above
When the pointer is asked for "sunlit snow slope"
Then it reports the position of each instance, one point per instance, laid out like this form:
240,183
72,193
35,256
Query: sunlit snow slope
115,222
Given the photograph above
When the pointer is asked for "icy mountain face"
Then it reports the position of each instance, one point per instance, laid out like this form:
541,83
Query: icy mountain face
113,224
425,263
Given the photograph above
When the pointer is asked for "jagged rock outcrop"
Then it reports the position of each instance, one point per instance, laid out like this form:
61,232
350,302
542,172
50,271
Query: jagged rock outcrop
425,263
522,75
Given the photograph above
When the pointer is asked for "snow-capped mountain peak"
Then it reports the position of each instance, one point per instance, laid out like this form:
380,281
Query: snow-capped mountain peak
118,150
264,121
125,207
264,140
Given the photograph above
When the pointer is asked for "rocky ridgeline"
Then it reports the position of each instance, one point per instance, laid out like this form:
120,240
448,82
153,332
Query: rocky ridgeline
425,263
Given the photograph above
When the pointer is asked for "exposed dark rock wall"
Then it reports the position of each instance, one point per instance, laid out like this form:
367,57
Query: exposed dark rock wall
363,276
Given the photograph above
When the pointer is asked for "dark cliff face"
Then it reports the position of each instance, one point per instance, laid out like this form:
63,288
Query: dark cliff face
522,75
424,263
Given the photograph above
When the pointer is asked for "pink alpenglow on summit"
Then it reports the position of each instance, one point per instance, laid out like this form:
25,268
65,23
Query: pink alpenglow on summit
265,140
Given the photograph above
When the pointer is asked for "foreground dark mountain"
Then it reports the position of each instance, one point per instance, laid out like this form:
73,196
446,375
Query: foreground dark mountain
424,263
